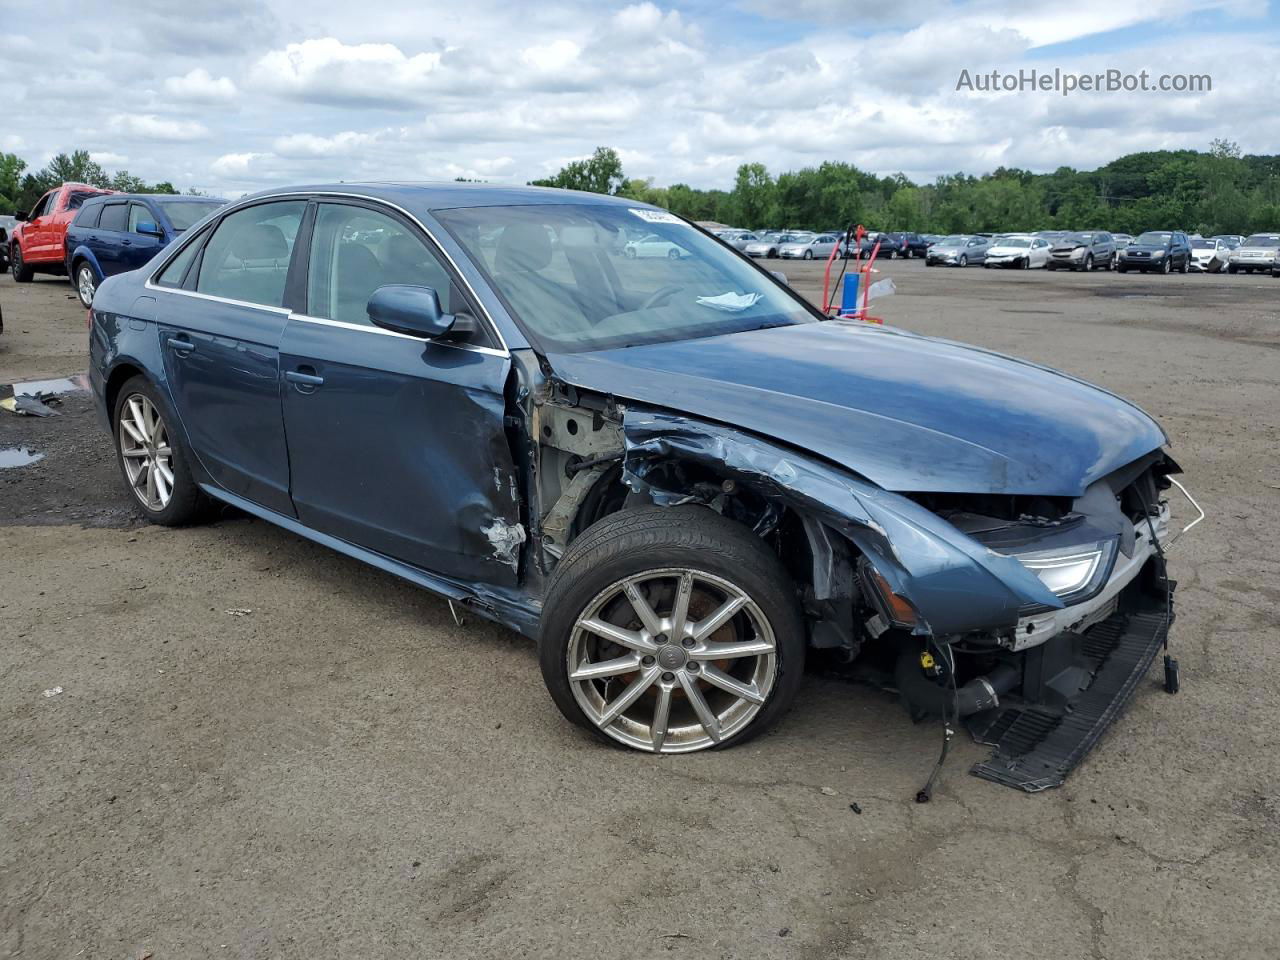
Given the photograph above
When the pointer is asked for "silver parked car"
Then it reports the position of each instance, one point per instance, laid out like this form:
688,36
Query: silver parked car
808,248
958,251
769,245
738,239
1258,252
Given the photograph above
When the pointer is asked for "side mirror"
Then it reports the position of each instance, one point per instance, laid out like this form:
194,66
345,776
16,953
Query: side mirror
149,228
414,310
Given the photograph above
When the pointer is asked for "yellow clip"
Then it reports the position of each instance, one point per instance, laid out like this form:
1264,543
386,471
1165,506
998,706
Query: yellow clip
926,660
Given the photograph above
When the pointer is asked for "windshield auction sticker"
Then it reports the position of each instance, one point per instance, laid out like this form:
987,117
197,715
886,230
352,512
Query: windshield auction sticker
656,216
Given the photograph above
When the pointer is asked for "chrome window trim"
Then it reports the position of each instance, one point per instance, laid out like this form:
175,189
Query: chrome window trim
230,208
364,328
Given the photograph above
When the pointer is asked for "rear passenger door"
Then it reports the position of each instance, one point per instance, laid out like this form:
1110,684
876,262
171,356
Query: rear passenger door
113,226
220,337
396,443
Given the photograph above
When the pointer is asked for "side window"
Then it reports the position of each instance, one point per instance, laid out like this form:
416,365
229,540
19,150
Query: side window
355,250
88,216
140,214
41,207
247,258
176,271
114,217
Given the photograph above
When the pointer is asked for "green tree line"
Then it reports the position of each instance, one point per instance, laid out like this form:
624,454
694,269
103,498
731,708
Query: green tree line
1209,192
19,189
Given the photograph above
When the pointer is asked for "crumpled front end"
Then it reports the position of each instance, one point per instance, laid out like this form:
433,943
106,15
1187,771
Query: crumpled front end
1031,617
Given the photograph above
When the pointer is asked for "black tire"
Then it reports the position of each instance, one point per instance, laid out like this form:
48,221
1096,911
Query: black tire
673,254
188,504
657,538
1186,266
21,272
1087,266
808,255
1232,268
1167,266
1121,268
629,253
963,261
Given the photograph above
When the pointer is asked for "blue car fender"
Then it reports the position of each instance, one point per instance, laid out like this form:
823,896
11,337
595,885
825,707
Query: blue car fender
956,584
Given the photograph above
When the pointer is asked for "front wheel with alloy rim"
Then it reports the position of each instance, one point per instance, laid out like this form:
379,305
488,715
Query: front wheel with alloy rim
152,458
21,272
671,630
86,283
964,261
1166,266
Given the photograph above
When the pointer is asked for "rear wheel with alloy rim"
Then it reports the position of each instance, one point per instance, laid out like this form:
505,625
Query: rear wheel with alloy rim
671,630
86,283
153,460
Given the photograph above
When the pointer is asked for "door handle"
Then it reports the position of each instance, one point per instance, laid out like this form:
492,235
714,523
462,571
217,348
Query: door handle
304,379
127,242
180,345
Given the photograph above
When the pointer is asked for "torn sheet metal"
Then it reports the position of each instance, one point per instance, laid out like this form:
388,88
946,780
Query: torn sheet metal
955,583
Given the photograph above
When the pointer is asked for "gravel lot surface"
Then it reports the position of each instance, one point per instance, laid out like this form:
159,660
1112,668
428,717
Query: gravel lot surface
339,770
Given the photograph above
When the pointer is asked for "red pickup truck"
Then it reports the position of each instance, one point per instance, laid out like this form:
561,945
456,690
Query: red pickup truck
35,245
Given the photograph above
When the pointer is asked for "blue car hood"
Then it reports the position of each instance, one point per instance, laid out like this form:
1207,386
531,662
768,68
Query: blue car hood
908,413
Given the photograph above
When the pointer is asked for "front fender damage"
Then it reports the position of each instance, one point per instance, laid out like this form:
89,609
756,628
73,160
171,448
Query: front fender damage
955,584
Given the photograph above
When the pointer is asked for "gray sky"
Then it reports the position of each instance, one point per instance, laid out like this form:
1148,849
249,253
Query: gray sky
235,95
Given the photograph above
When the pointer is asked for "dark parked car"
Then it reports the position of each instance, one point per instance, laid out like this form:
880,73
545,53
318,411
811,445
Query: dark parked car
1158,251
676,474
1082,251
119,232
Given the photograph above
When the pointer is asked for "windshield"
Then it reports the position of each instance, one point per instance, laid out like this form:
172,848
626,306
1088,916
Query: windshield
567,274
1159,239
1203,244
1015,242
1078,238
183,213
952,241
1263,240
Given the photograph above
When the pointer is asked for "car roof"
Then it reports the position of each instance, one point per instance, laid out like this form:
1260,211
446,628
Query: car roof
166,197
426,196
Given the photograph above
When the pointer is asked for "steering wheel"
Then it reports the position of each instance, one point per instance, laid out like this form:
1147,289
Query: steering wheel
662,293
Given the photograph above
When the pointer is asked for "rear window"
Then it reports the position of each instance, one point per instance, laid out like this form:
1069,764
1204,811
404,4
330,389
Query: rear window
76,198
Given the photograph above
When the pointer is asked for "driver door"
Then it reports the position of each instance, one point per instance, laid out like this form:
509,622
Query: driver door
396,443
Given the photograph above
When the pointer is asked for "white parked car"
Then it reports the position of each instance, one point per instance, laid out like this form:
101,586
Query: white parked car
652,245
1209,256
1021,251
806,248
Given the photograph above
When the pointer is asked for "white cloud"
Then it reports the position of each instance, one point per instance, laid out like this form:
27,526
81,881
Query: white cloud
199,86
108,159
148,126
312,145
326,70
234,165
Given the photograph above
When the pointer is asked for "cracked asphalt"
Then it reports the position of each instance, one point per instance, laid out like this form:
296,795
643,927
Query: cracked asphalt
343,771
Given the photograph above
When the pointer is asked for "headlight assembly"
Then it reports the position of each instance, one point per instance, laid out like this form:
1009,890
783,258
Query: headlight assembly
1073,573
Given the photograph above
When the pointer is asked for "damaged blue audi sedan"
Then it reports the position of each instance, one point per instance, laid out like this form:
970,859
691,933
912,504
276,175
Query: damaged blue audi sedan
675,473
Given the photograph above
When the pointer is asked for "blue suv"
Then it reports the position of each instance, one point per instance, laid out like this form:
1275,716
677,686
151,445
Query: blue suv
118,232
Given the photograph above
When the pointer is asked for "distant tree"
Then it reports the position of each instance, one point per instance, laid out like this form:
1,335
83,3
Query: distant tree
599,173
76,167
11,167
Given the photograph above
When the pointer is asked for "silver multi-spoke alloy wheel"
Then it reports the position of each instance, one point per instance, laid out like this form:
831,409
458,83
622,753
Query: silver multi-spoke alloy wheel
86,283
146,452
672,660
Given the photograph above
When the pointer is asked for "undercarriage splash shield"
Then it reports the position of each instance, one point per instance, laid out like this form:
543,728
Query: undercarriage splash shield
1035,748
